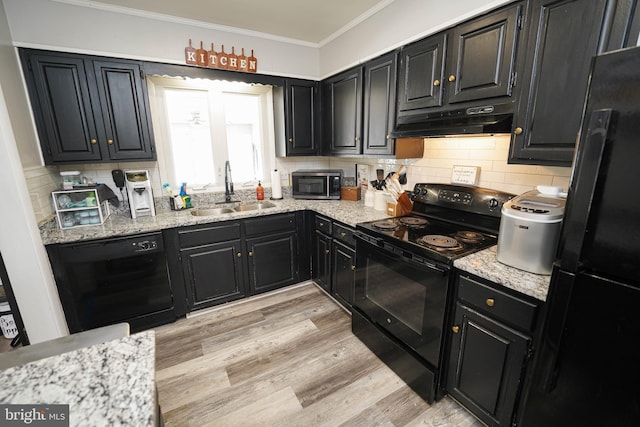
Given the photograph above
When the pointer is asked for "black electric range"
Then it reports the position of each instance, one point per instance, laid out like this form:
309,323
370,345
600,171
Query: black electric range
447,222
403,277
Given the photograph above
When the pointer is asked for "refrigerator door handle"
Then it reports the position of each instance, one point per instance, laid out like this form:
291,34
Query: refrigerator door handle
586,180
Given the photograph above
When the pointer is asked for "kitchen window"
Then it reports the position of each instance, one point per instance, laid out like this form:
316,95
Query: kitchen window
201,124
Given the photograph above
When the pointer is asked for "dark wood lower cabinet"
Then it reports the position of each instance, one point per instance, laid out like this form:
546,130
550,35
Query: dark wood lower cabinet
321,262
228,260
343,272
213,274
272,261
486,365
491,336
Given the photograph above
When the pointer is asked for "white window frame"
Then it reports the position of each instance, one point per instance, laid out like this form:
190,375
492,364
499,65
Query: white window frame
158,84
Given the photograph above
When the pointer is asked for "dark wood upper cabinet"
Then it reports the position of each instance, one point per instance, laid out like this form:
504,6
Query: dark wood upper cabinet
301,115
456,68
59,90
379,104
482,58
88,109
342,115
421,74
563,37
125,111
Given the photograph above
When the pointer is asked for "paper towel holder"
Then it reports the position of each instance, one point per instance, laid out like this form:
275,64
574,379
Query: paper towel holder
276,185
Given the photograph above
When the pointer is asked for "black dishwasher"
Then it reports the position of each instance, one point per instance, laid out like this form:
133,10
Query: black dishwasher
125,279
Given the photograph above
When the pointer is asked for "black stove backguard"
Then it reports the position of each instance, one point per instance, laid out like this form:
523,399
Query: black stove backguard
403,283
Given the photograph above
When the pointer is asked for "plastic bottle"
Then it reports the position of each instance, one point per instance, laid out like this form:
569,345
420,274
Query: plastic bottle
259,191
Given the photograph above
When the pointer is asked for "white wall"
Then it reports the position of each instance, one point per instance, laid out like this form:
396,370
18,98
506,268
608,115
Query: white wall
20,244
60,26
401,22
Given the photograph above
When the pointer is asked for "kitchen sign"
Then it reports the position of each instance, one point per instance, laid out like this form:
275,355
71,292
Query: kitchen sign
467,175
221,60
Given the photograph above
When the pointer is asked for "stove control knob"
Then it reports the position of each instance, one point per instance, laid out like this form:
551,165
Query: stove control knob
493,203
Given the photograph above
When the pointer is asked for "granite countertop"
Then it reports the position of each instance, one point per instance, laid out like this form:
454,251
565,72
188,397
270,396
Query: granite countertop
121,223
485,264
107,384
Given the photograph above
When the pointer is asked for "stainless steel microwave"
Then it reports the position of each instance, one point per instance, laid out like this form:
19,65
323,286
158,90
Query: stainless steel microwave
320,184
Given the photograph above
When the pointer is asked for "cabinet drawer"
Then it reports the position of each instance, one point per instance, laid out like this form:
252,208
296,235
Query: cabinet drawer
211,233
497,304
344,234
323,224
270,224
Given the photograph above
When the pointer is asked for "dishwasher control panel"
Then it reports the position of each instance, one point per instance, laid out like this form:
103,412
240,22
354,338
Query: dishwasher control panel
144,245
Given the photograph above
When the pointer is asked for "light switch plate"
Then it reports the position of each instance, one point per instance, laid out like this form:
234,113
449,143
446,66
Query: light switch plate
467,175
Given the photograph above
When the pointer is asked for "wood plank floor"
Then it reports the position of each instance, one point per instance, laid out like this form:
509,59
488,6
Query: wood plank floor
283,359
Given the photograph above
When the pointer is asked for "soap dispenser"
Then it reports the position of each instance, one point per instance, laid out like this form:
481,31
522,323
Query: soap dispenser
259,191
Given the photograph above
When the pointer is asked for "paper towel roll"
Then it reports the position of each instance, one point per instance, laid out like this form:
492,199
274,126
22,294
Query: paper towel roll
276,185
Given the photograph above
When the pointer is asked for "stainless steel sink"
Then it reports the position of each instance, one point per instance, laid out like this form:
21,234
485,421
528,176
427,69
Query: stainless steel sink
211,211
254,206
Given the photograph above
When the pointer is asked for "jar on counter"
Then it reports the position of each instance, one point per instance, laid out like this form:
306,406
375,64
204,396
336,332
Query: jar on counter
69,179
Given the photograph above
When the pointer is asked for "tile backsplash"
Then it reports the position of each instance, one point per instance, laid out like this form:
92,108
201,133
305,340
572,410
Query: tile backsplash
489,153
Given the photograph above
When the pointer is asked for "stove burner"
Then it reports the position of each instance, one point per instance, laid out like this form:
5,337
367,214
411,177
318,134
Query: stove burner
385,225
439,241
413,221
469,236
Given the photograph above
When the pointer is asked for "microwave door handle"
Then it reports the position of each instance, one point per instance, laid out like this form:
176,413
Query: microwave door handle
328,186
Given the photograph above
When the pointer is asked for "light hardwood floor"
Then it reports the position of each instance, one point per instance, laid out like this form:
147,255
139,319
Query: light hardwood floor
283,359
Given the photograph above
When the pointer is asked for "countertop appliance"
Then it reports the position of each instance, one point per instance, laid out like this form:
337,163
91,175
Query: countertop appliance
139,193
103,282
403,276
529,231
316,184
586,371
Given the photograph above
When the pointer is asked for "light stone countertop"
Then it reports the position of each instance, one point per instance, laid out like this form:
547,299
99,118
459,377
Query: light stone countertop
485,264
121,223
108,384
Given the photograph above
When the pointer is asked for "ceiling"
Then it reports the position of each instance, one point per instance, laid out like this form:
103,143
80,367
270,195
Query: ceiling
307,21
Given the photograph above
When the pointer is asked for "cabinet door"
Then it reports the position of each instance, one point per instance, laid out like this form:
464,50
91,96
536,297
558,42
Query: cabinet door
481,61
564,36
421,73
486,364
61,101
213,274
379,104
342,98
301,104
272,261
124,105
343,277
321,261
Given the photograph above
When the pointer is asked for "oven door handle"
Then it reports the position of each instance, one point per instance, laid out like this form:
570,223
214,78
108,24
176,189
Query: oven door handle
443,271
423,262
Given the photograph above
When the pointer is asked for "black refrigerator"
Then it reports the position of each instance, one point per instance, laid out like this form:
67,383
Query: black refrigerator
586,368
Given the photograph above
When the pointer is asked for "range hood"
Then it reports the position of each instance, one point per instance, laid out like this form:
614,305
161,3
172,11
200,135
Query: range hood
483,119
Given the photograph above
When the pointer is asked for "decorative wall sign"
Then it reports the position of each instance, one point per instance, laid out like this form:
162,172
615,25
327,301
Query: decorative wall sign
465,175
222,60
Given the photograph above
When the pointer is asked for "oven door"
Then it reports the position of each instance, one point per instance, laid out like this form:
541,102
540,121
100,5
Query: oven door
403,294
